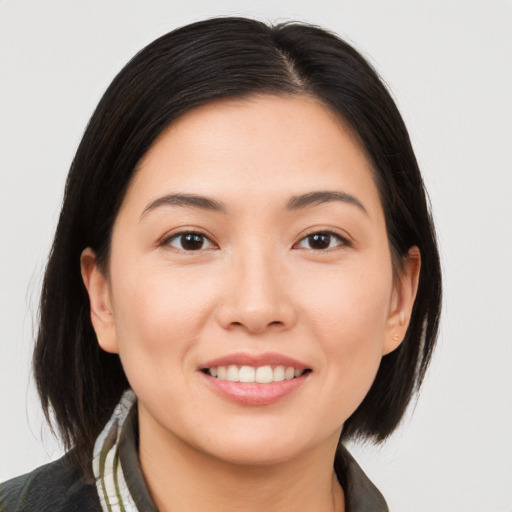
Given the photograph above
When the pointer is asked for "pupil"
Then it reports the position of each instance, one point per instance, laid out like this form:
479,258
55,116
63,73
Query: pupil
192,241
320,241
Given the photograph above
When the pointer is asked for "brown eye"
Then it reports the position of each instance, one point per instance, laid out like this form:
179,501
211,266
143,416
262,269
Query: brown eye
322,241
190,241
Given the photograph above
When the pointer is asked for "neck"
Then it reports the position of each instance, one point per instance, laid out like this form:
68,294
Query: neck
182,478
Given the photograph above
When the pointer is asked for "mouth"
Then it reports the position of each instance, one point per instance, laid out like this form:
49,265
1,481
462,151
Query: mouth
260,374
255,379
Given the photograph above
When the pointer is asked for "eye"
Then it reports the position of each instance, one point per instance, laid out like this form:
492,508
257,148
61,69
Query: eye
323,240
189,241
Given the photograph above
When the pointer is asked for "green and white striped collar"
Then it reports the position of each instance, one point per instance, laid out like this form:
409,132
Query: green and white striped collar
119,481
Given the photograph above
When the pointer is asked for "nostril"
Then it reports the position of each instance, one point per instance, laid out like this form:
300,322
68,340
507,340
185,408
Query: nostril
255,326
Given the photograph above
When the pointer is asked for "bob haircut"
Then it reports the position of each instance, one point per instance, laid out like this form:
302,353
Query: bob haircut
80,384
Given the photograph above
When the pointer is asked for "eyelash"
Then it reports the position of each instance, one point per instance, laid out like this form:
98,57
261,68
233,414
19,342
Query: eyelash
342,241
176,236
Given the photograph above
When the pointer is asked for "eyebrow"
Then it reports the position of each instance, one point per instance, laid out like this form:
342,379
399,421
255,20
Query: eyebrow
294,203
190,200
320,197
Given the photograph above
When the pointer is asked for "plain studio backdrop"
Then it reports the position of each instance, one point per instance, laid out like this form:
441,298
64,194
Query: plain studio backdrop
449,66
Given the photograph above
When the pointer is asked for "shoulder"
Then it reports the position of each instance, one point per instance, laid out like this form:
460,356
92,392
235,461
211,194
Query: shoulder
57,487
360,493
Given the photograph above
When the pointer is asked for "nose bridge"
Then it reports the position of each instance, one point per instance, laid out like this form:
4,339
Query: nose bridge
258,275
256,295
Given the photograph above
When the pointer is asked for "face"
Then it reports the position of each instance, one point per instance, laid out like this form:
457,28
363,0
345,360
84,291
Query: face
250,292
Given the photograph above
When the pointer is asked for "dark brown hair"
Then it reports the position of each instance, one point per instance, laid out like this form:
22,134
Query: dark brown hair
199,63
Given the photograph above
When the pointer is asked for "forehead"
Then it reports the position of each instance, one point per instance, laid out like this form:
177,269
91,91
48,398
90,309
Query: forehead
262,148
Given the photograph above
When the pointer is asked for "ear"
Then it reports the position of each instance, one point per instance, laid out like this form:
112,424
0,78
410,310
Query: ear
402,300
102,317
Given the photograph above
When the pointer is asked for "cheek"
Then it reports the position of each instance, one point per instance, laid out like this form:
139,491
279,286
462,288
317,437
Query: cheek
349,317
351,305
159,315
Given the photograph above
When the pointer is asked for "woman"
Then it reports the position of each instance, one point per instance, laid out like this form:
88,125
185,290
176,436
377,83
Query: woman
243,277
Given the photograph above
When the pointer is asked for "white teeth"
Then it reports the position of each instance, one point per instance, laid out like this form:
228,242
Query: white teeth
289,373
261,374
264,374
278,373
232,373
247,374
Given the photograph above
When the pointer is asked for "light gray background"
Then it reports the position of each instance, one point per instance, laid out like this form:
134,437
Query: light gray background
449,66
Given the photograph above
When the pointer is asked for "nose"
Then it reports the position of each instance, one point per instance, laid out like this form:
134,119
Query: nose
256,295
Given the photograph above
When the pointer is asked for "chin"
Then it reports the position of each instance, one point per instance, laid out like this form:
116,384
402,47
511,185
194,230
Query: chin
255,454
265,446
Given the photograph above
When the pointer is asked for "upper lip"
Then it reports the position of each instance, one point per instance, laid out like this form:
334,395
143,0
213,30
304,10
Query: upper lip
255,360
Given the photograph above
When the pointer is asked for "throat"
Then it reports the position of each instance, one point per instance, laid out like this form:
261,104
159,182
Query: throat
182,476
197,483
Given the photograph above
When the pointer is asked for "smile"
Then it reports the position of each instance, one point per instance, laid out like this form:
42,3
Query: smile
255,380
260,374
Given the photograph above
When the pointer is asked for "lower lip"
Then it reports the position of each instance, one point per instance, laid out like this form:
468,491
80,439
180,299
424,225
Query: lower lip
253,393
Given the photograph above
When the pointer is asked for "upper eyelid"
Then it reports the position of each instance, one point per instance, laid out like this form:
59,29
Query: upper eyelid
327,231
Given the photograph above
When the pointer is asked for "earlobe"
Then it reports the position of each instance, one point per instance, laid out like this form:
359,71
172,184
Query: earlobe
402,301
97,286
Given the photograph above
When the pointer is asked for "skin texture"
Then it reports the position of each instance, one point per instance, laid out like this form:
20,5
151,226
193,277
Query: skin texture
257,284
